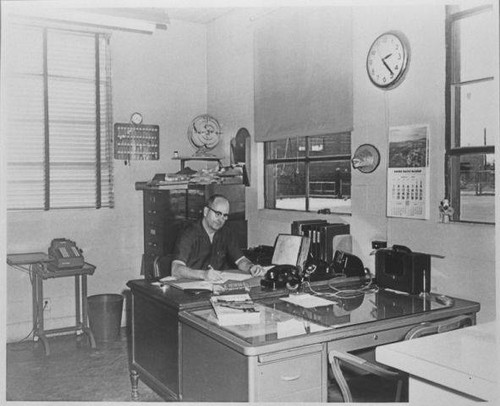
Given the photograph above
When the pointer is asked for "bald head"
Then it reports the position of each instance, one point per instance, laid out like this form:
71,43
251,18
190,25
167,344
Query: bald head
215,213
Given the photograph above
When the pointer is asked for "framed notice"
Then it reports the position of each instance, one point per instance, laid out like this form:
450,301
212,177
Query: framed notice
137,141
408,172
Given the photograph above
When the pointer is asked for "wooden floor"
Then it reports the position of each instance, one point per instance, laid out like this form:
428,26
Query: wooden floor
75,372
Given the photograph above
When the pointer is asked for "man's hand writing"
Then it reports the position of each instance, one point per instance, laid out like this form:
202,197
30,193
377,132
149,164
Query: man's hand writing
213,275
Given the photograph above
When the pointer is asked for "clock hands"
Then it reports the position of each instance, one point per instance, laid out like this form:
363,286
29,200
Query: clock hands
387,66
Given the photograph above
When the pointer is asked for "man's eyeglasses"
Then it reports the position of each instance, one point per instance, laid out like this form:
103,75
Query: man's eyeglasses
219,214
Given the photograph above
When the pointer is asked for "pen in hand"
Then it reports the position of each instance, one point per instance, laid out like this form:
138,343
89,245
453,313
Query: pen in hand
213,275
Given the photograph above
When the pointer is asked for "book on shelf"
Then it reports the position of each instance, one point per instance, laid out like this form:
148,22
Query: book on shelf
236,309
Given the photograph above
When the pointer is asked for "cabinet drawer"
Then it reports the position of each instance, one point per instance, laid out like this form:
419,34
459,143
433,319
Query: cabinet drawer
310,395
153,246
295,374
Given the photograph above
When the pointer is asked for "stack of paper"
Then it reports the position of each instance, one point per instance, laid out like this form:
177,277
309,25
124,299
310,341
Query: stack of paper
237,309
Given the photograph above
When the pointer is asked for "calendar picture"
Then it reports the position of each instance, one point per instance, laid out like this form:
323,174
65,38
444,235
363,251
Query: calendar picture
408,172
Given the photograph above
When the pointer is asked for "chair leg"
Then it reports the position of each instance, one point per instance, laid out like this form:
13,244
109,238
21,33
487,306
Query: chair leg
339,377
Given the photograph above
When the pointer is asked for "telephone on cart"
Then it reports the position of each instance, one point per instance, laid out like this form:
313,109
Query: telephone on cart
65,254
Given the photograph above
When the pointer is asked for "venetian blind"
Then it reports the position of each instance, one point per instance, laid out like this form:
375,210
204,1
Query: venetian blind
303,73
59,138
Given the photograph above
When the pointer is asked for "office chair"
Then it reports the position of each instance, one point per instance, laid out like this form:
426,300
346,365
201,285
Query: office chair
338,359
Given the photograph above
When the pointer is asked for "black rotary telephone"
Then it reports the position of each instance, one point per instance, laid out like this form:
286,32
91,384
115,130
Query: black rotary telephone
282,276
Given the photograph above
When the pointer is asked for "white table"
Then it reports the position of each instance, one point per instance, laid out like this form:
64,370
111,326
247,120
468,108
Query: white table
453,367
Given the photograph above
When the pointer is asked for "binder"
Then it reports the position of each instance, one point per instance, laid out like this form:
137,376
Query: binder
326,233
297,226
309,228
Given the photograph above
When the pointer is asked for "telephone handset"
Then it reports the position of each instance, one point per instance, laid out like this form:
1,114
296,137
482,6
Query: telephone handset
65,254
282,276
348,264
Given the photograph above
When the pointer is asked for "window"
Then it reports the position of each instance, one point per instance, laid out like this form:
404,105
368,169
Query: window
472,115
309,173
59,125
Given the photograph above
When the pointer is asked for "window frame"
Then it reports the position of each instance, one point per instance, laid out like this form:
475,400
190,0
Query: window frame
103,141
452,107
306,159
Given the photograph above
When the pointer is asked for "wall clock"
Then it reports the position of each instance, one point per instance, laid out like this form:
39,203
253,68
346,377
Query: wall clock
136,118
388,59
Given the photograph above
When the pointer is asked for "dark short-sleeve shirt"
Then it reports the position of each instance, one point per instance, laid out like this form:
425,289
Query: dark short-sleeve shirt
195,249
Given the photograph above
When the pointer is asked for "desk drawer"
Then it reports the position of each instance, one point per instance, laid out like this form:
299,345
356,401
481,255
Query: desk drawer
298,374
370,340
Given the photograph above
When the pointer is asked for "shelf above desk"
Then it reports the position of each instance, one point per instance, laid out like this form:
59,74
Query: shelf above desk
184,159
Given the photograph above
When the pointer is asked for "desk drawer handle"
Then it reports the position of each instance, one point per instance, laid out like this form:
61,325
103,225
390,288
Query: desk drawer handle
290,378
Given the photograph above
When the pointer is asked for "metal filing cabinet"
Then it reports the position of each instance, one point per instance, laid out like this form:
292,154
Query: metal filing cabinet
168,211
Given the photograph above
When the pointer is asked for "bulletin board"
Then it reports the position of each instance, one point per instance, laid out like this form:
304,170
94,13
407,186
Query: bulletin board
136,142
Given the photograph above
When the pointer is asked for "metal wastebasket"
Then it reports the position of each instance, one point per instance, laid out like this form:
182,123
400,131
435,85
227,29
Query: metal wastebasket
105,316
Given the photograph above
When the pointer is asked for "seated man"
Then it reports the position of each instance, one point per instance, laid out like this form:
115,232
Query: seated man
207,247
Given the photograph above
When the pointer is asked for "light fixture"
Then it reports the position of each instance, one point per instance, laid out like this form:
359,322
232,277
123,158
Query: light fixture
127,19
366,158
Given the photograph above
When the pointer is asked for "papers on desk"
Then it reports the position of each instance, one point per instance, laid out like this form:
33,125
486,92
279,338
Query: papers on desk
234,276
193,285
306,300
232,310
198,284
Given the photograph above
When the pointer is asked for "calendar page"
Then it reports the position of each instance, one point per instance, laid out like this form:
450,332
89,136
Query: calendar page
408,172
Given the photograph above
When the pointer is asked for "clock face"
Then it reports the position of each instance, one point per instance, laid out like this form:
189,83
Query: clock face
136,118
387,60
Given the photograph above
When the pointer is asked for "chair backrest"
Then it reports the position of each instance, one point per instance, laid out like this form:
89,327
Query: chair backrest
423,329
439,326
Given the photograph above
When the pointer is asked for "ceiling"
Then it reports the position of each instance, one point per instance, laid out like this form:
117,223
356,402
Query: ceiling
197,15
165,15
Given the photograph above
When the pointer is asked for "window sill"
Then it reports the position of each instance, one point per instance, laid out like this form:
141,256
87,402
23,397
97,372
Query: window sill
467,223
286,215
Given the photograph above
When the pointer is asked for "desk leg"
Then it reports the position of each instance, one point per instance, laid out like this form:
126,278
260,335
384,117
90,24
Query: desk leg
34,299
39,330
134,380
85,319
77,304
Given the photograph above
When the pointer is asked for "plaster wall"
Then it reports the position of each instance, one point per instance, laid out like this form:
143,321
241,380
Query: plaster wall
468,269
163,76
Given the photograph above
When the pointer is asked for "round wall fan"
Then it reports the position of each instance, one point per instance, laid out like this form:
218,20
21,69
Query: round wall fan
366,158
204,134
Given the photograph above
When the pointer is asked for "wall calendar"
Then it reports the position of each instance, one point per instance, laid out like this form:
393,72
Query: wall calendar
408,172
136,142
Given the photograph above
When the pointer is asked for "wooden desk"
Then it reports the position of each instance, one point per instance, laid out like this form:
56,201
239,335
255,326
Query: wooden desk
456,367
36,265
179,350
